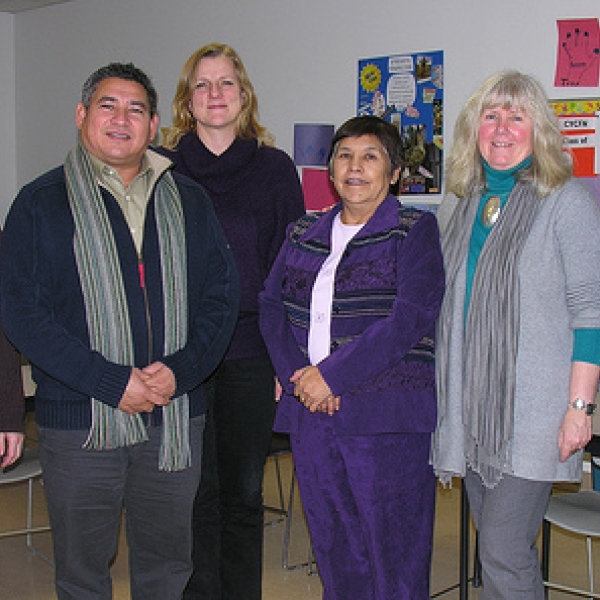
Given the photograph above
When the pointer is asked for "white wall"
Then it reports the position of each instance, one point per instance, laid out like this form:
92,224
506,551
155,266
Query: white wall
301,55
8,161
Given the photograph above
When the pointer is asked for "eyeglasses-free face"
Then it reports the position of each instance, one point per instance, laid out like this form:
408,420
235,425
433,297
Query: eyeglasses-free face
117,126
361,175
505,137
217,97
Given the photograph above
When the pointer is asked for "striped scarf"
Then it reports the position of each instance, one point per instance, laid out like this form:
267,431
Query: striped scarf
107,312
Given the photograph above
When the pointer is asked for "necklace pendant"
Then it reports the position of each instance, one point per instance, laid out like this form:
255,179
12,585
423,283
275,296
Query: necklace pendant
491,211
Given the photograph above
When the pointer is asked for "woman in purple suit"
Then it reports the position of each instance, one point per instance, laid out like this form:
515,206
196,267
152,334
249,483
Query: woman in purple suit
348,315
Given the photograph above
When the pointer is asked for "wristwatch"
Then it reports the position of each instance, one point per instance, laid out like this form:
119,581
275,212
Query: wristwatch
581,404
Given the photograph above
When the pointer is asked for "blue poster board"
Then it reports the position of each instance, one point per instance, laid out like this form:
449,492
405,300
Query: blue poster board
408,90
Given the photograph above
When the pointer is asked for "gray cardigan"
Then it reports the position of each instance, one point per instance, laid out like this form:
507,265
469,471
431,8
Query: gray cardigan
559,278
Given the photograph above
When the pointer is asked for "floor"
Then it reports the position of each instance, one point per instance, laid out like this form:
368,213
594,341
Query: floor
25,575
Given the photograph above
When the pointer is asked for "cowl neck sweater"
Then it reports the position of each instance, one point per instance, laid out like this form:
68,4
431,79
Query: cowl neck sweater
256,193
218,173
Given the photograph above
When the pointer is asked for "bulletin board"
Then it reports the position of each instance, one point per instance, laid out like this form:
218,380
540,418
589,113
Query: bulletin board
408,91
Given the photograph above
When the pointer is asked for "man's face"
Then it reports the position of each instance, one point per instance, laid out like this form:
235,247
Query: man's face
117,127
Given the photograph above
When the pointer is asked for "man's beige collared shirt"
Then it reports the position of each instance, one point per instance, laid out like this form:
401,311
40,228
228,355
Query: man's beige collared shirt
134,198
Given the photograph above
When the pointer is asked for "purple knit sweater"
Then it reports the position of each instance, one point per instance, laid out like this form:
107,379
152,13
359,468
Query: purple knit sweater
256,194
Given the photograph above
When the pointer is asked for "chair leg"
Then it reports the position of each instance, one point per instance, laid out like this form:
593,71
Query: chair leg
29,510
288,522
30,528
590,562
280,509
279,484
546,555
312,563
477,581
465,516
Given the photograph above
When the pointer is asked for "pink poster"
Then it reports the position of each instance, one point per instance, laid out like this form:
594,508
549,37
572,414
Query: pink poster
578,53
319,193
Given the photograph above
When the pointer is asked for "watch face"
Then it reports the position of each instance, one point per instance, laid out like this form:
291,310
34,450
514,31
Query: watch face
580,404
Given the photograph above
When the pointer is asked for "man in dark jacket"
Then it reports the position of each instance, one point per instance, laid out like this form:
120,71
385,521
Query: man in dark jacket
119,287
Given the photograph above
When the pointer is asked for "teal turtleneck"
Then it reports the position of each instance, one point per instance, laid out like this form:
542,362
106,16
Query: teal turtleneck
586,342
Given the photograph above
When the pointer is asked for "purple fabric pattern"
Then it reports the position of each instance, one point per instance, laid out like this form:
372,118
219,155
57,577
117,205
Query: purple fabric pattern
371,274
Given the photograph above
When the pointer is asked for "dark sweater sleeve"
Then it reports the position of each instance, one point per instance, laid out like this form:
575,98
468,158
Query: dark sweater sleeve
11,387
288,203
29,305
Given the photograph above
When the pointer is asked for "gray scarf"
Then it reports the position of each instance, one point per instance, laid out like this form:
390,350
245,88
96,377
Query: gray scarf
490,336
107,312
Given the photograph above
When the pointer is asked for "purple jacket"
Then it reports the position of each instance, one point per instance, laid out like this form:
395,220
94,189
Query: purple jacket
387,294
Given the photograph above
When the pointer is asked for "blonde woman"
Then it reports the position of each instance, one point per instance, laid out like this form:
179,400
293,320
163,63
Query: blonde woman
217,140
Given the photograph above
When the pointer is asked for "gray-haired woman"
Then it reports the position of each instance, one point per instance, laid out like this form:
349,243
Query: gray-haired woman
518,339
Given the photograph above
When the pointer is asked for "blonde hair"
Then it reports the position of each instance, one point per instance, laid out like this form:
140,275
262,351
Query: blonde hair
247,126
550,166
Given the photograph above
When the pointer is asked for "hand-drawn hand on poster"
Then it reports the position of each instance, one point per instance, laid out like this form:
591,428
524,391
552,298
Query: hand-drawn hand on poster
407,90
578,53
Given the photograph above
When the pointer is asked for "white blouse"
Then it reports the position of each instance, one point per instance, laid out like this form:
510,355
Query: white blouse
319,333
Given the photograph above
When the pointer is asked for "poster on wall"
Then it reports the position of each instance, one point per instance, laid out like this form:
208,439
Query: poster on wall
579,121
579,124
408,91
578,53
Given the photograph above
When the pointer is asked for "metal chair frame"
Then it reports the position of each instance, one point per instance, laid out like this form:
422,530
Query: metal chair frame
28,469
577,512
280,446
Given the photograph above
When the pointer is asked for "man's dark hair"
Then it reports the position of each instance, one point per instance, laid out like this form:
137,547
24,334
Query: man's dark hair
126,71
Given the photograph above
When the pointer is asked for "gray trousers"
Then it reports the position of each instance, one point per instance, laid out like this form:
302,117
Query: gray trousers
508,518
86,491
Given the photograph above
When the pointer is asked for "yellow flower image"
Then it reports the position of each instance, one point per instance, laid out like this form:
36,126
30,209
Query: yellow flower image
370,78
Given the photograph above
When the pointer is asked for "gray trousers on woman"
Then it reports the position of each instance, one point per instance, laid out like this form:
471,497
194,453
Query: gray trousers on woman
508,518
